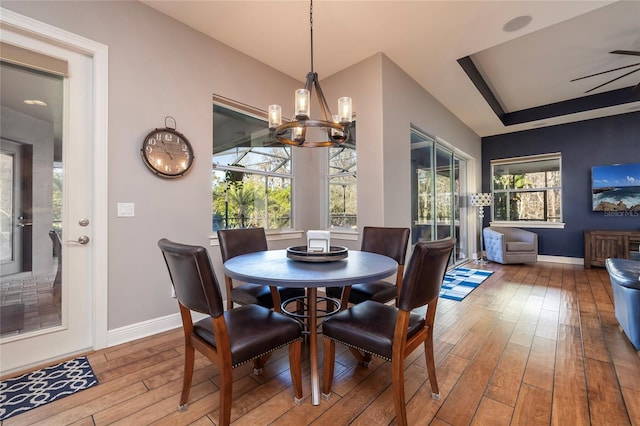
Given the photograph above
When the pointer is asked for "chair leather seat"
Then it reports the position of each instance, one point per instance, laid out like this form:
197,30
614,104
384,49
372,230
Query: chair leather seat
369,326
257,294
253,331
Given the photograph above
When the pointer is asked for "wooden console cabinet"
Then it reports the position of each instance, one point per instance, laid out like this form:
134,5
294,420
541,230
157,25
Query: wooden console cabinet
600,245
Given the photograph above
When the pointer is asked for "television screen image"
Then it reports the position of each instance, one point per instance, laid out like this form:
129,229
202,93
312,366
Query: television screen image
616,187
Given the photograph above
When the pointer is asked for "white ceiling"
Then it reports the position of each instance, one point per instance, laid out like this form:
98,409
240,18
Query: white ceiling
525,68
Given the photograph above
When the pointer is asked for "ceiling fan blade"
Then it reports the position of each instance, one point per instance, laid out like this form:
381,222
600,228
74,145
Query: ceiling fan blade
627,52
604,72
611,81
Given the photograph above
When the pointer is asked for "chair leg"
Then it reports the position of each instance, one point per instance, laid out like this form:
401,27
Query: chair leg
295,366
363,359
224,417
329,357
189,356
259,363
431,367
397,379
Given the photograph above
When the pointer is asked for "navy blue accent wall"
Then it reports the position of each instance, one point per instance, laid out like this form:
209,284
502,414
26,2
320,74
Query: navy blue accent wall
609,140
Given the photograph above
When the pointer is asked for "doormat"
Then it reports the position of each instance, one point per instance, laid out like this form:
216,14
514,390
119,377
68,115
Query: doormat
11,318
40,387
459,282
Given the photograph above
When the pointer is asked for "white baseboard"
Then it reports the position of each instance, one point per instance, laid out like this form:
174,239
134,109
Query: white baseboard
561,259
146,328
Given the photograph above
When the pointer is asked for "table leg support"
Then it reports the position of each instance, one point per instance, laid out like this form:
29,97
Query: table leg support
313,345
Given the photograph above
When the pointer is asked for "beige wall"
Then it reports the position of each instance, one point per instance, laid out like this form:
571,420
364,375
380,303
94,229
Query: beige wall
159,67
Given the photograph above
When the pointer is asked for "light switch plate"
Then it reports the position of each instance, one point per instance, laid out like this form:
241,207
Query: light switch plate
126,210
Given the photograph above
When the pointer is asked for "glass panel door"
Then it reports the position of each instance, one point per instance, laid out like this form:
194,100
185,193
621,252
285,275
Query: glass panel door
31,278
444,191
439,180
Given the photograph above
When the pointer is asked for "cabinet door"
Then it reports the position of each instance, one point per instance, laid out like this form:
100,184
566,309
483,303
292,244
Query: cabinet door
606,246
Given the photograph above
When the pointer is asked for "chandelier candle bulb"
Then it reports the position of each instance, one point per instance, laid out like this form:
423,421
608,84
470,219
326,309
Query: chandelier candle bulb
275,116
302,104
345,109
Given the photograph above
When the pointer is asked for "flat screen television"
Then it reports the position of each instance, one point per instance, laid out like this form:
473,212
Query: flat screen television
615,187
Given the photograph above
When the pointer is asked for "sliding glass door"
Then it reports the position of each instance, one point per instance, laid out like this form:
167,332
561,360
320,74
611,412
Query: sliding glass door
439,178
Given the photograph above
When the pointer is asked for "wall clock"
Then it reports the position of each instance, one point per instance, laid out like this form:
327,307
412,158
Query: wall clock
167,153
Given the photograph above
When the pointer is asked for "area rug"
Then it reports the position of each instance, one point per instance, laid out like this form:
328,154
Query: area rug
40,387
459,282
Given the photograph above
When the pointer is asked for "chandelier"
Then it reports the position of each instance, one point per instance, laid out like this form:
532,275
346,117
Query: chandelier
307,132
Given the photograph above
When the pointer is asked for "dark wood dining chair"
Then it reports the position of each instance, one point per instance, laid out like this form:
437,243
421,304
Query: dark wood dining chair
227,338
234,242
391,242
391,332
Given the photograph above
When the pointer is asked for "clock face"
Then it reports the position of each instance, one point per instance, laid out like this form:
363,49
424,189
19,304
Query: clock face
167,153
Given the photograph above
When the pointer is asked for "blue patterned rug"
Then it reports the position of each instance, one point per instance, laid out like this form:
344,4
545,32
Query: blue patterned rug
459,282
40,387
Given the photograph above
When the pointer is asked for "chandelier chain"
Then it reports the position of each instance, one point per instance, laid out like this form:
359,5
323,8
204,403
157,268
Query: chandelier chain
311,31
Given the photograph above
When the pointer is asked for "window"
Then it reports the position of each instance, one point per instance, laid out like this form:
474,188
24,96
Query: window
251,173
527,189
343,191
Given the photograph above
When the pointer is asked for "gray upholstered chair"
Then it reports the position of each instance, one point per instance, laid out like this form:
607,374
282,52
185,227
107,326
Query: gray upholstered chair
510,245
391,332
228,338
625,282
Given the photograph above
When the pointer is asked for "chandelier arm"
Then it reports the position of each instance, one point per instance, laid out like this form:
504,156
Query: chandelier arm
309,82
324,107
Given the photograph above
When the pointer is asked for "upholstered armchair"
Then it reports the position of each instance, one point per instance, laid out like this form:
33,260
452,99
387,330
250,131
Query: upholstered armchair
510,245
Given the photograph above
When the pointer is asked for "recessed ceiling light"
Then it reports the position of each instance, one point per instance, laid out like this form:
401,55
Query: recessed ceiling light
35,102
517,23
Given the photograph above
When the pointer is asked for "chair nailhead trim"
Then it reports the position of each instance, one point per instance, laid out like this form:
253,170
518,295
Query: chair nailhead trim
263,354
360,349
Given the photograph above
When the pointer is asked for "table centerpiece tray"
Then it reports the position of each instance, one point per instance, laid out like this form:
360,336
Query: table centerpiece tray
302,254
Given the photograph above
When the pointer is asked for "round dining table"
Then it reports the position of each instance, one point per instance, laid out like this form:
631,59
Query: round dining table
274,268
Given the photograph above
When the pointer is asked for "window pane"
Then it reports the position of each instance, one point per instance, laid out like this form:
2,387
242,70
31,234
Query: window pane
343,201
342,160
251,175
249,200
278,203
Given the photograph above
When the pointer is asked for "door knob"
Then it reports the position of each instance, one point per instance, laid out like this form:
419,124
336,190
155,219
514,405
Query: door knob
81,240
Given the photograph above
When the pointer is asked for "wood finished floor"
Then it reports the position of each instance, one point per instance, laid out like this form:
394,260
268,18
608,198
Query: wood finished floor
534,345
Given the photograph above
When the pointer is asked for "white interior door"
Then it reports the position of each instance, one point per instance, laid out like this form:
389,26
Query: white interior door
82,306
